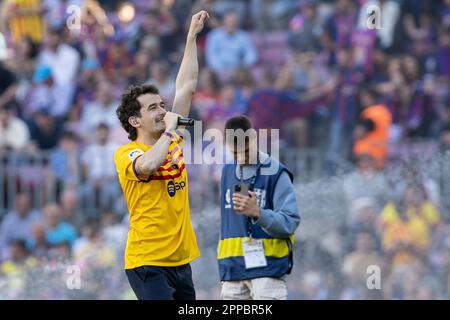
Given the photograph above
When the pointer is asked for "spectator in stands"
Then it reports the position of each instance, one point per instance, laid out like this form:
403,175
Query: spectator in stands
417,204
442,174
421,106
372,132
245,86
89,234
13,272
405,233
207,93
116,60
305,28
71,208
394,90
339,25
24,61
366,182
72,122
225,108
301,74
162,78
94,257
439,253
90,248
312,286
88,80
63,61
45,130
23,19
357,262
97,159
229,48
421,34
363,215
113,231
400,283
16,225
271,14
443,52
344,107
8,86
57,232
425,184
14,133
102,110
37,242
141,67
43,94
150,40
65,161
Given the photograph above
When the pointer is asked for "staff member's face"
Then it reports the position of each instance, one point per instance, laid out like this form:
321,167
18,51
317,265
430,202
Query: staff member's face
244,153
152,114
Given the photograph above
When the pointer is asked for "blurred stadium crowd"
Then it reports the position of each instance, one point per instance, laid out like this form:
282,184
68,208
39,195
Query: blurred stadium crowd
364,119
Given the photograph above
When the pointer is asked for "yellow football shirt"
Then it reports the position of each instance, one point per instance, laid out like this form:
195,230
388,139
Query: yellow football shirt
161,233
25,19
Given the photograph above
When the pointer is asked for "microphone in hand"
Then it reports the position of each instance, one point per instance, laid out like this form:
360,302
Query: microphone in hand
185,121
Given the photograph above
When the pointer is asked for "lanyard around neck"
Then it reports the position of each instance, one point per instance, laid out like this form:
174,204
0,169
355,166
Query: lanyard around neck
253,179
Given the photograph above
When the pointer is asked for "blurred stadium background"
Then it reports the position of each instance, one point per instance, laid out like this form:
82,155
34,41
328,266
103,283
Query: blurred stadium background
309,68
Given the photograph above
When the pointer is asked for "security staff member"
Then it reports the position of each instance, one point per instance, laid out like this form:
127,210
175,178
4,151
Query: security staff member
161,241
259,216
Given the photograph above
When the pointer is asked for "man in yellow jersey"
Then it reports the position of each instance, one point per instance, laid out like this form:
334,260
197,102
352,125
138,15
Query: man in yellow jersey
161,240
22,18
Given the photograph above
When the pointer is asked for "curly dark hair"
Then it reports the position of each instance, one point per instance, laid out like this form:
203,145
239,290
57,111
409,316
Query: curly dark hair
130,106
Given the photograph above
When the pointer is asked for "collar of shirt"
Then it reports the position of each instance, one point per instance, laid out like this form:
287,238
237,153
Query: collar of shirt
249,170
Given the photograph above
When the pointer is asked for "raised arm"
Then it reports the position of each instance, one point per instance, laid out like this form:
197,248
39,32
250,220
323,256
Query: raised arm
187,75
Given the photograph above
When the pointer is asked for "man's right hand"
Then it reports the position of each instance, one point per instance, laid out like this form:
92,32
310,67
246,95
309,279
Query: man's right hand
171,120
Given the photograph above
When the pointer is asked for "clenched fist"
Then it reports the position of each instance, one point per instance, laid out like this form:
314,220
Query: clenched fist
197,22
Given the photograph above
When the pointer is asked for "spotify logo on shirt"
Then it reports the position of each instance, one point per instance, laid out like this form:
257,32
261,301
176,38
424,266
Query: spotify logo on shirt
172,187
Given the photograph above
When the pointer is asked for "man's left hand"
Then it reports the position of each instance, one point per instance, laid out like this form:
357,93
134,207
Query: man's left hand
197,22
246,205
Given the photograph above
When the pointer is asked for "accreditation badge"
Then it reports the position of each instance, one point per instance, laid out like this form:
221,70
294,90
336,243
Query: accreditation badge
254,253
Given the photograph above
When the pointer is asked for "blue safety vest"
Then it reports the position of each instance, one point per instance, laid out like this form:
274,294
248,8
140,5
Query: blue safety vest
236,228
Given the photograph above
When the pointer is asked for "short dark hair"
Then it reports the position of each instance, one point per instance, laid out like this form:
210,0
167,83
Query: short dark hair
130,106
102,125
56,30
21,243
68,135
239,122
371,91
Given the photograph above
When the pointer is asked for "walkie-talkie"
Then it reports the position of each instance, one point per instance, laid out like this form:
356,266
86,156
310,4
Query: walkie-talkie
242,187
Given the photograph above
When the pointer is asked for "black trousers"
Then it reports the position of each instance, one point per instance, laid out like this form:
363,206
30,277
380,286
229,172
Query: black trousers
162,283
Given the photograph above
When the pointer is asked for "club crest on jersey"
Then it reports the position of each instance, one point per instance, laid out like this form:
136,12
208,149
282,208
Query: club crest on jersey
134,153
172,187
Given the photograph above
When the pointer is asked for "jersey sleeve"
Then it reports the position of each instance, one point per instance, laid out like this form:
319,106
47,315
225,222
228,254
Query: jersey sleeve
125,159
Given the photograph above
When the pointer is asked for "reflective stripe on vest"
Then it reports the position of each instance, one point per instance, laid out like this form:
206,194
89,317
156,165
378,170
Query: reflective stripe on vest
232,247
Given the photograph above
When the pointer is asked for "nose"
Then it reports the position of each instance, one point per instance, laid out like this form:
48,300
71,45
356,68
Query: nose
240,156
162,111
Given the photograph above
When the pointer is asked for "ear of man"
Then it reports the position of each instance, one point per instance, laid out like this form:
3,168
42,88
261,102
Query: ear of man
134,121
